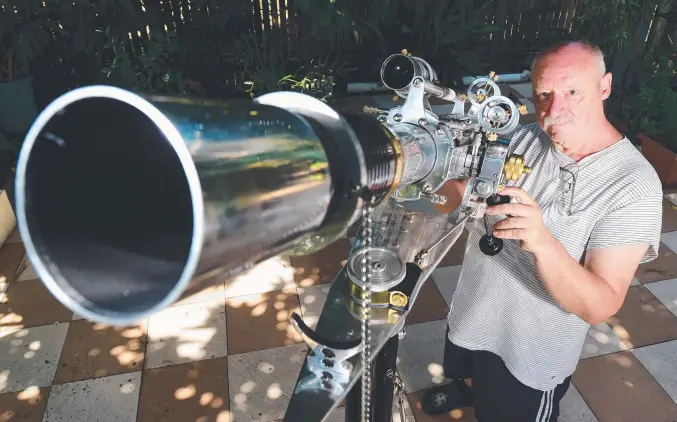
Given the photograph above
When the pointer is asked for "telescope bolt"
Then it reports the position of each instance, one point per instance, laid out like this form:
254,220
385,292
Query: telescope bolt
483,188
422,122
397,117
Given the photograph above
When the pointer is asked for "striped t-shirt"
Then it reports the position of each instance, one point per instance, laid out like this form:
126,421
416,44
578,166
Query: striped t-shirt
613,197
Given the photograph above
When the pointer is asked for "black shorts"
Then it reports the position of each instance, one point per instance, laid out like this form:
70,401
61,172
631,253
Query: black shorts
497,395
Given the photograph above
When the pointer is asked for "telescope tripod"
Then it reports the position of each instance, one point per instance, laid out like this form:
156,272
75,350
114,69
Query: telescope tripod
385,382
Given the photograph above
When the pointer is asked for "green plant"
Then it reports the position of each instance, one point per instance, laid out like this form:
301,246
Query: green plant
447,34
614,25
652,108
148,67
25,31
272,62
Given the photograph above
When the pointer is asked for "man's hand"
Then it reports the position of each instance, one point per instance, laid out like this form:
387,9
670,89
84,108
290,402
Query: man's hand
524,222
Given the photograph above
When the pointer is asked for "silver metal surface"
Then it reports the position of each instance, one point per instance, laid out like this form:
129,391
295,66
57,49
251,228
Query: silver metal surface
339,324
386,268
148,200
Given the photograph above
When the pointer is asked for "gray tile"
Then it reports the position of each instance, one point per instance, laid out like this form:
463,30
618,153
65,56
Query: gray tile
670,239
661,362
446,279
186,333
635,282
601,340
261,382
312,300
666,292
572,408
30,356
110,399
419,360
672,197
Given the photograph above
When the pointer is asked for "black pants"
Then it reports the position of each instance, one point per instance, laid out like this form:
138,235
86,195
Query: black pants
497,395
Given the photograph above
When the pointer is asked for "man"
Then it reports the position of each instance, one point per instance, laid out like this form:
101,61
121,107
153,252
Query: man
574,234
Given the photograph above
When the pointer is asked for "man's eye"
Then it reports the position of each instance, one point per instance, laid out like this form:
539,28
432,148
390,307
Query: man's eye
573,92
542,95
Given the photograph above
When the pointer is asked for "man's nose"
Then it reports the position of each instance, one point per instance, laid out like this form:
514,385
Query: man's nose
556,104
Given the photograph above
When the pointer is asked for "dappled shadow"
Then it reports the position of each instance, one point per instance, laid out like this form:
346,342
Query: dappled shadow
321,267
617,387
643,319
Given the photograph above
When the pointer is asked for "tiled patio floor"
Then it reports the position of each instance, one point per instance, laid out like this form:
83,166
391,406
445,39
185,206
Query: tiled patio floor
230,354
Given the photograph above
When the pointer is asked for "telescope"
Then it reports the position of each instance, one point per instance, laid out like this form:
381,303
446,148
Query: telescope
128,203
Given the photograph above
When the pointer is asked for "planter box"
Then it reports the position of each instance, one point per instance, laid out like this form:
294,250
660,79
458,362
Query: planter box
17,106
7,218
662,159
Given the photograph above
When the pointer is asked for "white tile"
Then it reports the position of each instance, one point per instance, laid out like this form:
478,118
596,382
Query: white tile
28,273
419,360
186,333
30,356
666,292
601,340
3,288
273,274
670,239
661,362
110,399
525,89
261,382
672,197
312,300
446,279
572,408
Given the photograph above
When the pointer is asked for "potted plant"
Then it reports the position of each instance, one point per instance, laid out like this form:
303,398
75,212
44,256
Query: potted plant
650,113
23,36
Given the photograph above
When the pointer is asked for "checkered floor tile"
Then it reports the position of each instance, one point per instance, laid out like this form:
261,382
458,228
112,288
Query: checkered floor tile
229,354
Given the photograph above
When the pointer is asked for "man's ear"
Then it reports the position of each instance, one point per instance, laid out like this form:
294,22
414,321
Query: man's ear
605,86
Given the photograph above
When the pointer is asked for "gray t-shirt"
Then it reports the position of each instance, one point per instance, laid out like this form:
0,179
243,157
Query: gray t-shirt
501,305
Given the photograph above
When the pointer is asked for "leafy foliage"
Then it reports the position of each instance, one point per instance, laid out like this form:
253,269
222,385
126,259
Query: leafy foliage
147,67
613,25
25,31
652,108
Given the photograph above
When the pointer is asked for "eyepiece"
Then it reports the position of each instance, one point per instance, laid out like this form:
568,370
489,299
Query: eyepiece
398,71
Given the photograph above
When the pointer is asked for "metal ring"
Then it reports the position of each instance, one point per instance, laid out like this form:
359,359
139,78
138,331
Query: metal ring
505,124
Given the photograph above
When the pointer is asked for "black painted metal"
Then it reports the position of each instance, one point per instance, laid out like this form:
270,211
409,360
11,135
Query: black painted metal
383,387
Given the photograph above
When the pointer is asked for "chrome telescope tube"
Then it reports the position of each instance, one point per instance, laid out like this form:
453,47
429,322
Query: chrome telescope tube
127,204
399,71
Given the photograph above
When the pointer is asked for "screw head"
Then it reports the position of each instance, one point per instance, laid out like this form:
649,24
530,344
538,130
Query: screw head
397,117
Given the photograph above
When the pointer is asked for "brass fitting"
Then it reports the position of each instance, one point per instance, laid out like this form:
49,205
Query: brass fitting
514,167
522,108
491,136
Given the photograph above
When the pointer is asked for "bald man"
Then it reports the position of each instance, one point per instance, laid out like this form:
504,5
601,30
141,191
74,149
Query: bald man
574,234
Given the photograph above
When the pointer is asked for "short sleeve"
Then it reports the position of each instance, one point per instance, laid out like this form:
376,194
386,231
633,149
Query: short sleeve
637,222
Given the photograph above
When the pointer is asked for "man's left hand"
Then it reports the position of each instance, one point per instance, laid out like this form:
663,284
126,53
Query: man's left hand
524,222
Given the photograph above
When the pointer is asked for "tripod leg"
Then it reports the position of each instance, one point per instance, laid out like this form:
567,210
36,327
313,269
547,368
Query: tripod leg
383,386
385,367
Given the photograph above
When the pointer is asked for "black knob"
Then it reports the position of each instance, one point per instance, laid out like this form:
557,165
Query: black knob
491,245
497,199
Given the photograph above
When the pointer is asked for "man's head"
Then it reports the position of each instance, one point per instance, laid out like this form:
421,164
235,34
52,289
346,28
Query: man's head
570,84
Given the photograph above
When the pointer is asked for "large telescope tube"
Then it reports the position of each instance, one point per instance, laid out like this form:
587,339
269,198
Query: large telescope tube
126,204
